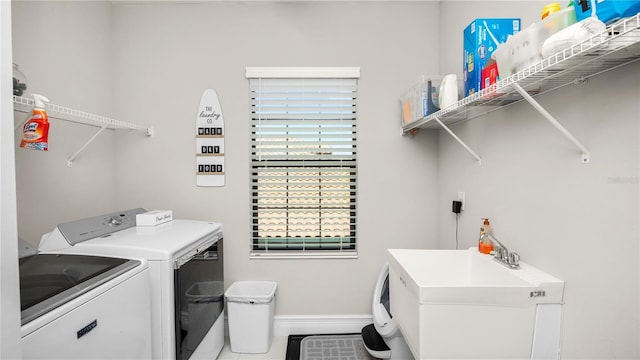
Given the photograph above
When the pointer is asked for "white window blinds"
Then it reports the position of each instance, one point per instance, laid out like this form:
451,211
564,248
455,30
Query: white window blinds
303,164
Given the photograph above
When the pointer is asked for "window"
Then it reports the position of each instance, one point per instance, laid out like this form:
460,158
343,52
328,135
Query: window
303,161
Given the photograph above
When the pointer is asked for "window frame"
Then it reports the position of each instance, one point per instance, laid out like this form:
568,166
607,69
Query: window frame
256,251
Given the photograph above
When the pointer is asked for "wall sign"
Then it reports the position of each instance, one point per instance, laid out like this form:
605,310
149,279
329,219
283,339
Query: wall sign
209,141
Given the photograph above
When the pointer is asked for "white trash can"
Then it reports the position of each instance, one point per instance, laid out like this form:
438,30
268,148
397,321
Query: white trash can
250,308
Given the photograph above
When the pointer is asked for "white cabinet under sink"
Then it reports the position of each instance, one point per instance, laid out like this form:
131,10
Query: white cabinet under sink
460,304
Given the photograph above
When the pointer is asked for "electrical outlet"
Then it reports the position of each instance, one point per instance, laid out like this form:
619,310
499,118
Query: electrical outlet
461,199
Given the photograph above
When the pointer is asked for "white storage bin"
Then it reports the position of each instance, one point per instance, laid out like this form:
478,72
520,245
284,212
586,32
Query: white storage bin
523,49
421,100
250,310
520,51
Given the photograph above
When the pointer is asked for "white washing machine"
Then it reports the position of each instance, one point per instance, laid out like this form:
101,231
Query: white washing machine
186,275
84,307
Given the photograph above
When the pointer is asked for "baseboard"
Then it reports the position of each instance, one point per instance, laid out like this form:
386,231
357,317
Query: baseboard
319,324
285,325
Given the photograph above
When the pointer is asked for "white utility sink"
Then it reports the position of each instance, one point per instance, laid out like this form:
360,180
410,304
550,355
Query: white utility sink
470,277
461,304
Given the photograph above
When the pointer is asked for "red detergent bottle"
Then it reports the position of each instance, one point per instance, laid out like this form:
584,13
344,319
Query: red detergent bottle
35,132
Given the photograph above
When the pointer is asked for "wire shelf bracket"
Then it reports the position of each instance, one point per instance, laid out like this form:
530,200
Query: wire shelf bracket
586,155
459,140
25,105
70,160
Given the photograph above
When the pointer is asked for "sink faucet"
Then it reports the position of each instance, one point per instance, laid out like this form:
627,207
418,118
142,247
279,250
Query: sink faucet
502,255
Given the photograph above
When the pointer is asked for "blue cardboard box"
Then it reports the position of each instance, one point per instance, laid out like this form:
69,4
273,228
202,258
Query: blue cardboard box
608,11
481,38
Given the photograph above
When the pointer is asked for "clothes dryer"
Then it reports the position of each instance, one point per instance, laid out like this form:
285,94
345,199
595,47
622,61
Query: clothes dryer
186,275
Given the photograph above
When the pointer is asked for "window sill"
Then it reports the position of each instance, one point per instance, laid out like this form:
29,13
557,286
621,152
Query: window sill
294,255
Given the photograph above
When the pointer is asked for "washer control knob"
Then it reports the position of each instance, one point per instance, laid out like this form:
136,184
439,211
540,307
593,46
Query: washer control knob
115,221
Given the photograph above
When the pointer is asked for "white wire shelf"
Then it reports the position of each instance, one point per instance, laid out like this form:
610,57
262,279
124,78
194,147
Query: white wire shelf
25,105
617,46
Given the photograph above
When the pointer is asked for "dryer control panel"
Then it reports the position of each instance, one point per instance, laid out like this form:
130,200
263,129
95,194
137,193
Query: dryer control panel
90,228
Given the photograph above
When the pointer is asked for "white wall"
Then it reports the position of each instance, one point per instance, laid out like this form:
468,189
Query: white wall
577,221
64,49
167,55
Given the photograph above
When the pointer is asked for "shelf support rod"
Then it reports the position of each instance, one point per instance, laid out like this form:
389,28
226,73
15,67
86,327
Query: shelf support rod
70,160
586,155
459,140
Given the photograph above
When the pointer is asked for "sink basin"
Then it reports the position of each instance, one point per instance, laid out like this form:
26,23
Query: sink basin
470,277
450,304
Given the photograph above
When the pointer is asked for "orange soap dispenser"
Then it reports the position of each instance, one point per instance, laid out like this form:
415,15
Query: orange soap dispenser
485,245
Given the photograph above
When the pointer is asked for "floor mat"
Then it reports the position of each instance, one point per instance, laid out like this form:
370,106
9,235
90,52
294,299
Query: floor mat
293,347
326,347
